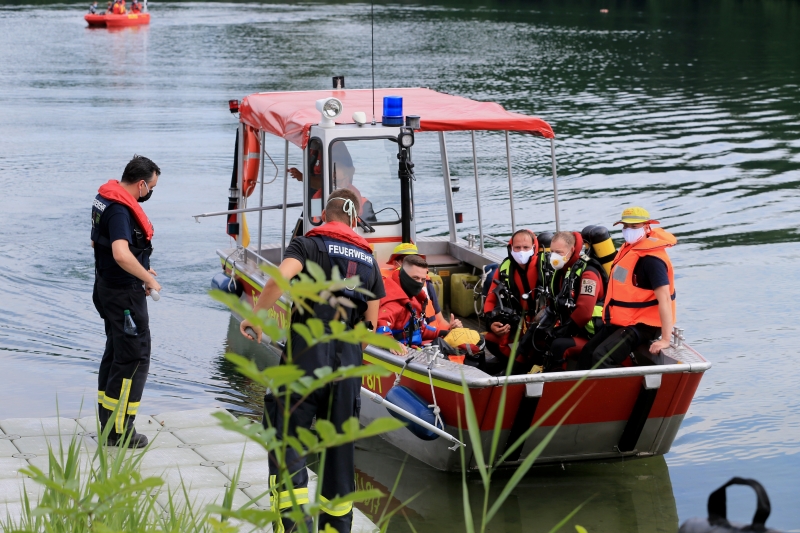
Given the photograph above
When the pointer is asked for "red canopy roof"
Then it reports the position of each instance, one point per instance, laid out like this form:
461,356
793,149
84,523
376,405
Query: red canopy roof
291,114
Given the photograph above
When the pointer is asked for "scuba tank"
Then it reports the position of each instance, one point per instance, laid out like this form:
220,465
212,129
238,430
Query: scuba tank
545,270
601,247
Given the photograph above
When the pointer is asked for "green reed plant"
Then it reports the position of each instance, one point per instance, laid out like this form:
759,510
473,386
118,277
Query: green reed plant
487,466
104,492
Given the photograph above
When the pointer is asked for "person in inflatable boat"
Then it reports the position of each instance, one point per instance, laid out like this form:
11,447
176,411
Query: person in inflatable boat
402,310
640,302
433,313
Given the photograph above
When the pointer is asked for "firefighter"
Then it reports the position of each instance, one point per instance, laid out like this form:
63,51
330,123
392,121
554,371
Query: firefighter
433,313
640,302
402,310
333,244
577,291
121,235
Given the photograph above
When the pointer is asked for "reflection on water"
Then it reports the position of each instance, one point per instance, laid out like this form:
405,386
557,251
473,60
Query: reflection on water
688,108
632,496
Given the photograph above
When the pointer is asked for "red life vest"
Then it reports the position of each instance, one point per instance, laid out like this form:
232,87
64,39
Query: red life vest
626,304
112,190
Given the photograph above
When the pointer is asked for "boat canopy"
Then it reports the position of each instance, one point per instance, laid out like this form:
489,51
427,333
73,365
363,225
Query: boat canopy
290,115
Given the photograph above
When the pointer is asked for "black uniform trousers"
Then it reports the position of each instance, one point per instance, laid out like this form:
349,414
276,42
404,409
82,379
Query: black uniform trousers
336,402
126,360
613,344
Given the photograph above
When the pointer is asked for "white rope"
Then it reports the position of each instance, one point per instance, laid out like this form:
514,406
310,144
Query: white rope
348,207
434,405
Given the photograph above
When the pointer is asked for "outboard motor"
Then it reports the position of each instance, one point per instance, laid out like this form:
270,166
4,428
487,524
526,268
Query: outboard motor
602,247
717,521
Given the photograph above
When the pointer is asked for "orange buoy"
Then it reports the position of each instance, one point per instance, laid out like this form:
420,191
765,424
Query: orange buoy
252,159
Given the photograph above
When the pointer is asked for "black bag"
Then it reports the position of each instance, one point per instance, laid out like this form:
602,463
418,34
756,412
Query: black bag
717,521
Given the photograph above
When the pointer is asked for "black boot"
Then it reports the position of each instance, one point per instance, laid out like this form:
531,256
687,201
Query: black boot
130,438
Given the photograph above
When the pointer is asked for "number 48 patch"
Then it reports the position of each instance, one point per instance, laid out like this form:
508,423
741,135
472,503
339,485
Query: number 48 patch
589,286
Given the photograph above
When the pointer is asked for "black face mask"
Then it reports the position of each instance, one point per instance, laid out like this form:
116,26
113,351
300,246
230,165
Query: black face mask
146,196
409,285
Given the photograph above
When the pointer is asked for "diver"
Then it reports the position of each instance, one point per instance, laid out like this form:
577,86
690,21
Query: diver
93,8
402,310
510,302
577,289
640,302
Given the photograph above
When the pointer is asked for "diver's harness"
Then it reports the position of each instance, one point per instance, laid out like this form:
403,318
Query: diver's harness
508,310
564,301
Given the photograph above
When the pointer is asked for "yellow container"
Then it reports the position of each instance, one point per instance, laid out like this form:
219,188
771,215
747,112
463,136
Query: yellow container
438,284
462,294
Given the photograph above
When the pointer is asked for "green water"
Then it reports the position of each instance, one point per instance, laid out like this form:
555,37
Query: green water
688,108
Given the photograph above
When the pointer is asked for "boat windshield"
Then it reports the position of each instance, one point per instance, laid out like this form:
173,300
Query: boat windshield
368,167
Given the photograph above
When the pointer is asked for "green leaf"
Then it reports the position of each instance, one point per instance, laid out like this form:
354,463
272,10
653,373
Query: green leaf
316,271
474,431
316,326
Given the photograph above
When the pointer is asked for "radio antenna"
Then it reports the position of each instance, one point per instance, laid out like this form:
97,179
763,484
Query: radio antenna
372,43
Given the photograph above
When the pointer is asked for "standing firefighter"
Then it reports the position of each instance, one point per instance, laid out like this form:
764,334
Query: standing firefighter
334,244
121,235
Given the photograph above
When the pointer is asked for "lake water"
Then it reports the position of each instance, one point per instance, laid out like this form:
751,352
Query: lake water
688,108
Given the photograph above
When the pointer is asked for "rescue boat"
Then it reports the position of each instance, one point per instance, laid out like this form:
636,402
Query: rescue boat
104,20
621,412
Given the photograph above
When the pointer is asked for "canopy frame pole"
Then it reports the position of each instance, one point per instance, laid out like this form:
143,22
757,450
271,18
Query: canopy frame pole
448,188
263,137
477,190
555,184
242,198
510,185
285,185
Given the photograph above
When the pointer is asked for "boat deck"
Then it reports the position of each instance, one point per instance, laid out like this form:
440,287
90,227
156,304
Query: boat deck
187,446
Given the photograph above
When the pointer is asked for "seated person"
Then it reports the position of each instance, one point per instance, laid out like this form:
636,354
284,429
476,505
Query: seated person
136,7
342,178
110,8
401,314
433,312
93,8
516,277
578,288
640,300
119,7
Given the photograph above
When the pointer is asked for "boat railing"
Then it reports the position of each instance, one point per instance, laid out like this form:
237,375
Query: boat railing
685,359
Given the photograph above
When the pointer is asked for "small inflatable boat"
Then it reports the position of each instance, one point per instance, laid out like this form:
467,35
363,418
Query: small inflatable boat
96,20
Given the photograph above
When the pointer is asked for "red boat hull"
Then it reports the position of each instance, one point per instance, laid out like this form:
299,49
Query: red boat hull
117,21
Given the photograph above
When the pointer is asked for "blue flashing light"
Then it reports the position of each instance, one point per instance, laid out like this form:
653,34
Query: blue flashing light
392,111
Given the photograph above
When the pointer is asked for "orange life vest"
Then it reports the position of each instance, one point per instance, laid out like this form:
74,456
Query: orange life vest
626,304
252,160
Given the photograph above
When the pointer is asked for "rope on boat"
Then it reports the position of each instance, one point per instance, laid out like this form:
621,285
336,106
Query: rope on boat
434,405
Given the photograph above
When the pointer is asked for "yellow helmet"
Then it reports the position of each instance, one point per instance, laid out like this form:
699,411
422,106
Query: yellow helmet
635,215
404,248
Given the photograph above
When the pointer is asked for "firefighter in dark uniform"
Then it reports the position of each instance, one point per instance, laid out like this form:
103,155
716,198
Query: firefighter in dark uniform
121,235
333,244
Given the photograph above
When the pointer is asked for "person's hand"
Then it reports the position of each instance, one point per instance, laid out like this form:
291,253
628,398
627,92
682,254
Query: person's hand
246,324
401,349
152,284
296,174
454,322
658,346
499,329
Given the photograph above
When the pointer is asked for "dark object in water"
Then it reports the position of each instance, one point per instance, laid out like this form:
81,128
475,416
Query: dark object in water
717,521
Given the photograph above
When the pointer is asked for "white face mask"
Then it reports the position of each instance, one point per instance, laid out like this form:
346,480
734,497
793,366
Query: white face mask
557,261
632,235
522,257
